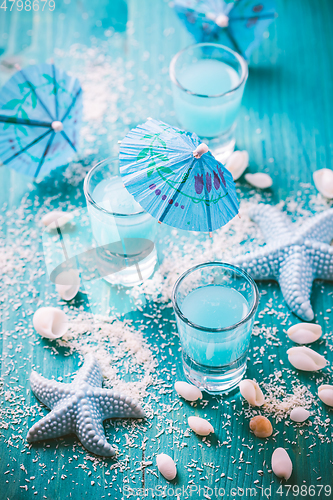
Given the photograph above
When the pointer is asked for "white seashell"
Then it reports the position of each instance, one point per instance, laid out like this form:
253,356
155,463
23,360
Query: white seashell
50,322
200,426
56,218
259,180
306,359
304,333
188,391
299,414
325,393
237,162
281,464
251,391
68,284
323,180
166,466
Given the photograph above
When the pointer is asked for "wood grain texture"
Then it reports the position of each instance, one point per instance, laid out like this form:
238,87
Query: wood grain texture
286,125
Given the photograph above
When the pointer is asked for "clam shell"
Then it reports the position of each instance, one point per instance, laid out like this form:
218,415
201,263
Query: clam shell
188,391
304,333
68,284
166,466
306,359
237,162
251,391
200,426
56,218
50,322
323,180
259,180
281,464
325,393
299,414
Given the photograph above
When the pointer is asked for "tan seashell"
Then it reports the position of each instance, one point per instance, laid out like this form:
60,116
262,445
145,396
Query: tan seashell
237,163
304,333
188,391
166,466
281,464
251,391
299,414
304,358
56,218
68,284
259,180
261,426
50,322
325,393
323,180
200,426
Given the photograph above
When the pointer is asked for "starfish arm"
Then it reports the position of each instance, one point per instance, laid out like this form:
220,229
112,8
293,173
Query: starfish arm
321,255
49,392
115,405
90,372
58,422
274,224
263,264
319,227
296,277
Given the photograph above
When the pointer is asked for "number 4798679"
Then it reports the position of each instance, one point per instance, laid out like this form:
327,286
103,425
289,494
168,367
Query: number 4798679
27,5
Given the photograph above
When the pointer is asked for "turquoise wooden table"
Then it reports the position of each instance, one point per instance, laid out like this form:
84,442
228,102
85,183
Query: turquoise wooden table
121,51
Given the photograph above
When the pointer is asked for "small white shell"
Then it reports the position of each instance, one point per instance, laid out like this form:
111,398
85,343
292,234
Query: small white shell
251,391
50,322
188,391
304,358
166,466
325,393
323,180
299,414
200,426
281,464
259,180
56,218
237,162
68,284
304,333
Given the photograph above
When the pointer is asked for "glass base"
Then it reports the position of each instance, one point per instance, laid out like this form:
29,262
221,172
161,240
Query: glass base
134,275
222,147
214,380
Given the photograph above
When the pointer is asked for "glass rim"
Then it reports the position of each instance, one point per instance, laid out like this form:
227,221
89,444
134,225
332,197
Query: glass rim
241,60
89,197
238,270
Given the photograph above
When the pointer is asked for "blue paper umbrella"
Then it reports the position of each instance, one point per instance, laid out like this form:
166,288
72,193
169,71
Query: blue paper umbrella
40,117
167,172
238,24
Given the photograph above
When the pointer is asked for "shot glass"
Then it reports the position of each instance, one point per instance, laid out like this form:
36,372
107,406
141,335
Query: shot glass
208,81
215,306
124,233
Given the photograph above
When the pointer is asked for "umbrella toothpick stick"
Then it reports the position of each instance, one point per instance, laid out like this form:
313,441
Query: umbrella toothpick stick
200,150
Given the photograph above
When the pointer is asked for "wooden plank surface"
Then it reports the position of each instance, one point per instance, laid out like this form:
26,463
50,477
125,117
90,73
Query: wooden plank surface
287,127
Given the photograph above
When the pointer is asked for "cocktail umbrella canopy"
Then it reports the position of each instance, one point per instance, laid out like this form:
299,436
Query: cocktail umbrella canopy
238,24
40,118
175,178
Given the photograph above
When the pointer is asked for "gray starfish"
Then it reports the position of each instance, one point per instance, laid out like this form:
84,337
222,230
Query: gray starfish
295,256
80,407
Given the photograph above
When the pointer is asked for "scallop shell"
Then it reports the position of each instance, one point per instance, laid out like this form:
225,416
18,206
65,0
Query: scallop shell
259,180
251,391
299,414
323,180
166,466
200,426
325,393
282,466
188,391
304,333
50,322
68,284
306,359
56,218
237,162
